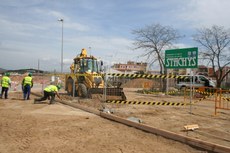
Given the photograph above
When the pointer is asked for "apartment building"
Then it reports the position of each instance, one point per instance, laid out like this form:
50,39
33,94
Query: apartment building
131,66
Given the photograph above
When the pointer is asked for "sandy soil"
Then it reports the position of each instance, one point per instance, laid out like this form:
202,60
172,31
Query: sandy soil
212,128
42,128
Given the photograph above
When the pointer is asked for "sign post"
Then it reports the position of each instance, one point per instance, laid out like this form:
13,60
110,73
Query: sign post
182,58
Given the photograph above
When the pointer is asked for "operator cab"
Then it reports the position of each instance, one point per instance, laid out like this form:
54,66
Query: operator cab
88,65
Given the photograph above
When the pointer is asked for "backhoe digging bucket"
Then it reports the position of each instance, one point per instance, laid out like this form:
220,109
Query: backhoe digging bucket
111,93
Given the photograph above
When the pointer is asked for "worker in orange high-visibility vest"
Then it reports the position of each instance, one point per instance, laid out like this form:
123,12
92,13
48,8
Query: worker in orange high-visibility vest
27,84
5,83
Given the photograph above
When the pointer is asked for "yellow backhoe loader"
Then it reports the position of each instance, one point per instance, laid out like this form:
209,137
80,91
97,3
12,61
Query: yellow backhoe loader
86,78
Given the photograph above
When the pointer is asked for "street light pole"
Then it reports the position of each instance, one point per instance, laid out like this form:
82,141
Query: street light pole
61,20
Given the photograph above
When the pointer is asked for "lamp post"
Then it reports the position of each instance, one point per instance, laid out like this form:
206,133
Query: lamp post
62,21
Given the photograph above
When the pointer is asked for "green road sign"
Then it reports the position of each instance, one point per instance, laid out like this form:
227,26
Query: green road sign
181,58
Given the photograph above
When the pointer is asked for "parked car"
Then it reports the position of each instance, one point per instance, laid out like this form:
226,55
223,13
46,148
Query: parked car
197,81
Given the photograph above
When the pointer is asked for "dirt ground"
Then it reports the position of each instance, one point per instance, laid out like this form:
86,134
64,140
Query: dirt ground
212,128
27,127
41,128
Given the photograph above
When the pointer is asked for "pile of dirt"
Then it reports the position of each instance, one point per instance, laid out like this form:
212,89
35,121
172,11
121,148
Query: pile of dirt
138,83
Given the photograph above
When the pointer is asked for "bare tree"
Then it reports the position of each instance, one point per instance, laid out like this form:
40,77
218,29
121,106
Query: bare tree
215,43
153,40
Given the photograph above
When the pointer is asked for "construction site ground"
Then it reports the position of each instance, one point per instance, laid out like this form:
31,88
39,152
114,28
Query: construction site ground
28,127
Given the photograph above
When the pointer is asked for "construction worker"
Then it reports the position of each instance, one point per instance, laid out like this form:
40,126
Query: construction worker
27,84
49,91
5,83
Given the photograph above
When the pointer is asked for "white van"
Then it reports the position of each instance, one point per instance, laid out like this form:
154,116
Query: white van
199,81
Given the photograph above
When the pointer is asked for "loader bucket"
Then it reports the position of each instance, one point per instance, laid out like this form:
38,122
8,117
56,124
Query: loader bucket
111,93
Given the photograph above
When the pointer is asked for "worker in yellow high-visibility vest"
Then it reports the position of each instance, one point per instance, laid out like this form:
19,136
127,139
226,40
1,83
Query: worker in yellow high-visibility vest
5,83
49,91
27,84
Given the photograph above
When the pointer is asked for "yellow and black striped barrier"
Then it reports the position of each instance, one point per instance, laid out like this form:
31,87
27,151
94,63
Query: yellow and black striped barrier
145,103
204,92
147,76
205,97
157,92
208,94
226,99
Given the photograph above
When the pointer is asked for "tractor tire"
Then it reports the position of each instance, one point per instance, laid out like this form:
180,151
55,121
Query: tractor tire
82,90
69,87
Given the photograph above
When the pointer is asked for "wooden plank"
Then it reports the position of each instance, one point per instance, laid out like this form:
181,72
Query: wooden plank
84,108
170,135
191,127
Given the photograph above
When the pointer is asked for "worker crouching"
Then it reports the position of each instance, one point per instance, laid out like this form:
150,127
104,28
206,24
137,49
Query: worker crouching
49,93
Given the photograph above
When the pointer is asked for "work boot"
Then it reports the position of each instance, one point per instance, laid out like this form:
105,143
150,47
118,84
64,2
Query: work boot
36,101
52,102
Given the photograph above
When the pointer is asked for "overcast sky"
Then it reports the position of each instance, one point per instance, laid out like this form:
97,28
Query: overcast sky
30,30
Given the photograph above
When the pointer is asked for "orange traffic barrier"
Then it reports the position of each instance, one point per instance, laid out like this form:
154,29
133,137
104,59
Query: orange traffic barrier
221,101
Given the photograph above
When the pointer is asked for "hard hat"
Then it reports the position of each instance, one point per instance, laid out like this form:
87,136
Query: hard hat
7,74
30,74
58,86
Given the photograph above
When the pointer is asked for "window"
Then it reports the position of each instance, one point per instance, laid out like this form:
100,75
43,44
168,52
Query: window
88,65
